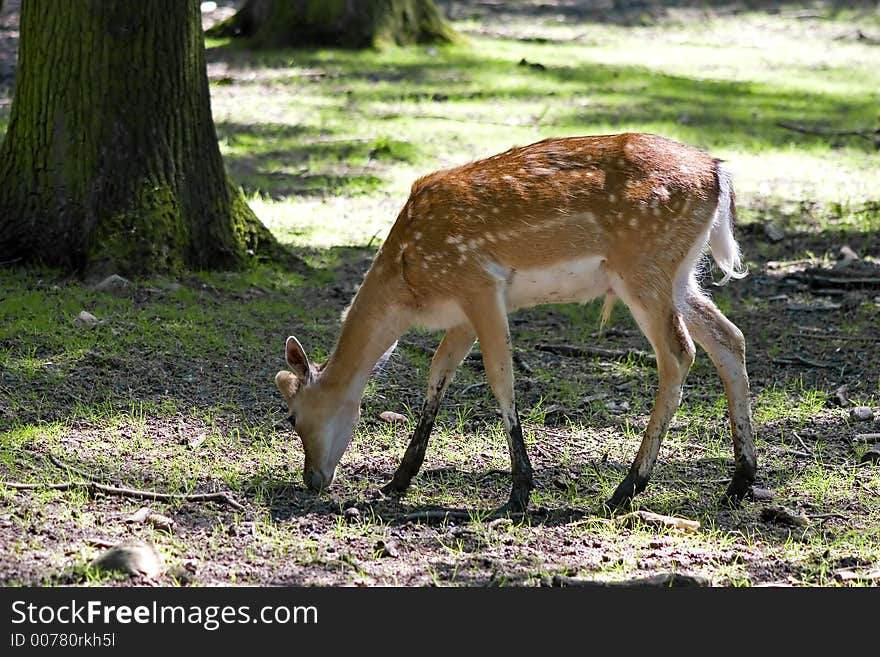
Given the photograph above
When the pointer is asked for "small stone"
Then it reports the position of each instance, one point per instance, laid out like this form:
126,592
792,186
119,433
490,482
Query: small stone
86,318
840,395
784,516
500,523
863,413
351,514
872,455
774,232
762,494
391,416
159,521
114,284
846,258
617,407
387,548
134,557
139,516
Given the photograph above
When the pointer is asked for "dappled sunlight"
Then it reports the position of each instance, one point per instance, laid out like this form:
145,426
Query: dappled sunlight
169,386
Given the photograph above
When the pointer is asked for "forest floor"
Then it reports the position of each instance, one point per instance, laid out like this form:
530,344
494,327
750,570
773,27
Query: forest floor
169,386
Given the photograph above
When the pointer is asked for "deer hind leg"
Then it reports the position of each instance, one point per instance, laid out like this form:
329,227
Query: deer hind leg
452,350
725,344
490,321
665,329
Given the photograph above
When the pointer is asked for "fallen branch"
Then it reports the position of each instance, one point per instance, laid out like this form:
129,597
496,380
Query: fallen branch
825,516
472,386
657,520
801,441
821,278
788,450
433,515
834,336
870,135
663,580
570,350
797,359
495,472
80,473
521,363
94,487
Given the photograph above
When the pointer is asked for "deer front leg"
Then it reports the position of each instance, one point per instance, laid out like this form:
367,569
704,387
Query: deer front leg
452,350
490,321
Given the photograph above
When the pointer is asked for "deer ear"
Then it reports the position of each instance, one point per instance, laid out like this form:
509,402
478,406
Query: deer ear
297,360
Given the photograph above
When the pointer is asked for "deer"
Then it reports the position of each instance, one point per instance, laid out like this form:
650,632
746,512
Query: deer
629,217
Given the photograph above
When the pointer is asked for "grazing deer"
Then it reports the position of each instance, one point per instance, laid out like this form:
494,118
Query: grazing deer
627,216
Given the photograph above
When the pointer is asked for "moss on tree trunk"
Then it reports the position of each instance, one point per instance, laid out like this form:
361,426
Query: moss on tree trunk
111,159
338,23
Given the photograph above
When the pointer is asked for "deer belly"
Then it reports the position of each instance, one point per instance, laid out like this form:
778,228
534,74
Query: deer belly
579,280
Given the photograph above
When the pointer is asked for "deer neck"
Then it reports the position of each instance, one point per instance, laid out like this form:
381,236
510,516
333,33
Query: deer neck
371,326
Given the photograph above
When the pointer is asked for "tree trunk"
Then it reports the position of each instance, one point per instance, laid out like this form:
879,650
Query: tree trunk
337,23
111,161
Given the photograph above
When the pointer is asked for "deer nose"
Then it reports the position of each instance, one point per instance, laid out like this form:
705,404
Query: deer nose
316,480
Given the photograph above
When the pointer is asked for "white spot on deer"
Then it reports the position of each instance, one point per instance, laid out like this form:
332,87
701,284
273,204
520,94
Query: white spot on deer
417,236
475,242
508,178
491,237
543,171
454,239
462,259
661,193
462,247
633,222
612,198
495,210
656,211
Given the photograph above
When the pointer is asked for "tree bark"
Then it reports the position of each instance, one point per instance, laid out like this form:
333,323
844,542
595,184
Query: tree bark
337,23
111,161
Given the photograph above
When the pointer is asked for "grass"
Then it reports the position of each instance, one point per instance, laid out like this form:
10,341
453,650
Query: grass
172,389
723,85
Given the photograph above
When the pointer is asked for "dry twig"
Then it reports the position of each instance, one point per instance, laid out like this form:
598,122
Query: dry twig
570,350
95,487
